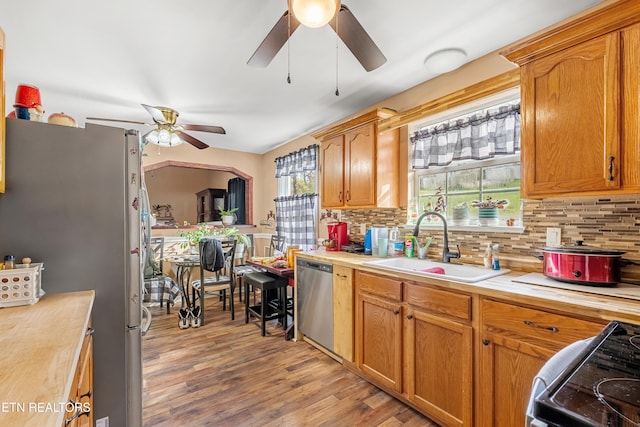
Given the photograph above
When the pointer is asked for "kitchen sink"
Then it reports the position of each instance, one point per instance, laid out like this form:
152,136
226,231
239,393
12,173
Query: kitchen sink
440,270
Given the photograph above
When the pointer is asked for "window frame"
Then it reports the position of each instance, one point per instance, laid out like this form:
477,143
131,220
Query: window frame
415,174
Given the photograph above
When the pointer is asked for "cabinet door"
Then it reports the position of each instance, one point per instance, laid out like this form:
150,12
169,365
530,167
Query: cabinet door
570,119
343,312
379,329
508,366
360,160
438,376
515,342
333,172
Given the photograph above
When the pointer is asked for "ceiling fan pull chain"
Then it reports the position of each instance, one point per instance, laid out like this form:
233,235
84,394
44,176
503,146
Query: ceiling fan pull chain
289,44
337,44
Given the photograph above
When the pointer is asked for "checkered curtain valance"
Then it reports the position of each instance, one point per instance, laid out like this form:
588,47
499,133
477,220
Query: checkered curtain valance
305,159
482,135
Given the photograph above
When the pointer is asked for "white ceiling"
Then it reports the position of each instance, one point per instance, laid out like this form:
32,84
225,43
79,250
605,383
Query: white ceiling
105,58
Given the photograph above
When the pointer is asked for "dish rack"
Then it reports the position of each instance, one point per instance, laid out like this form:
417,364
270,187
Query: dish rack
21,285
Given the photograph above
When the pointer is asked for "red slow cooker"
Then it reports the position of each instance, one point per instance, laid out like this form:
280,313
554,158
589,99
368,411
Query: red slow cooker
582,264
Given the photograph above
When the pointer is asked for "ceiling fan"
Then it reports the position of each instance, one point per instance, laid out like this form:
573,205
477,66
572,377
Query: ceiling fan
167,132
339,17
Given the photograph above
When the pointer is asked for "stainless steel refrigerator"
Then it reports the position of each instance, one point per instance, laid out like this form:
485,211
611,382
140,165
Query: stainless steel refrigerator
72,201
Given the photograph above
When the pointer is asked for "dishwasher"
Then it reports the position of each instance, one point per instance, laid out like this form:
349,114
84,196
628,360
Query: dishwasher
314,292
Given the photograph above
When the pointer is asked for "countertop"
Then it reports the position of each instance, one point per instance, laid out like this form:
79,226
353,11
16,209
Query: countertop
502,287
41,346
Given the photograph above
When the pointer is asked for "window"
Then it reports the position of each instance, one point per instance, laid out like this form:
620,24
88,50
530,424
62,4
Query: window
297,201
467,159
298,183
451,190
297,172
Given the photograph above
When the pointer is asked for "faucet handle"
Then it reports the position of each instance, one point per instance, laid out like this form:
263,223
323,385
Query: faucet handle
455,254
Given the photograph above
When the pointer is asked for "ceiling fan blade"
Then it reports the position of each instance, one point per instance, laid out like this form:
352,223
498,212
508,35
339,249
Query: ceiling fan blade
205,128
156,114
357,40
274,41
119,120
193,141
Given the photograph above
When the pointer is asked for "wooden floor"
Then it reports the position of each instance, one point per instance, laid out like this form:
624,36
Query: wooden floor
226,374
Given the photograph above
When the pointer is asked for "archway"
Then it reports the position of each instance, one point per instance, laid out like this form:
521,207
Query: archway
212,168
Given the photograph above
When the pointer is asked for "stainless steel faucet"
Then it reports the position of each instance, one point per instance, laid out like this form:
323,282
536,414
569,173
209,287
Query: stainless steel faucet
446,253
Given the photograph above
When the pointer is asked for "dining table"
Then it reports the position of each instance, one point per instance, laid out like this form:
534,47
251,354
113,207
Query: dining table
287,272
184,265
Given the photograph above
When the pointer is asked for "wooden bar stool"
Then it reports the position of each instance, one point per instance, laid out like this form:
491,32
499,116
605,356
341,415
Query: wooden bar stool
271,287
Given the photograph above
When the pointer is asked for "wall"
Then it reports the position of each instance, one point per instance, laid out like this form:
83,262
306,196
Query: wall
247,164
602,222
177,186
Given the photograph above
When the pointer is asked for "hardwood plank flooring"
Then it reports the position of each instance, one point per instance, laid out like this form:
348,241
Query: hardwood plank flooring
226,374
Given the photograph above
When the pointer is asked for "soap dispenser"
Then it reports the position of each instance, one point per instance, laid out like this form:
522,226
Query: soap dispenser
488,259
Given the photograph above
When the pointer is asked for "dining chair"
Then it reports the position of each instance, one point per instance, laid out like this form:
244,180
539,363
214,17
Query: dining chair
153,271
277,244
241,268
217,276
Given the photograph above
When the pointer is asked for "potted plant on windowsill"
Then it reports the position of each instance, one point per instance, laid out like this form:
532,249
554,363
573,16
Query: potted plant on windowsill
488,210
228,216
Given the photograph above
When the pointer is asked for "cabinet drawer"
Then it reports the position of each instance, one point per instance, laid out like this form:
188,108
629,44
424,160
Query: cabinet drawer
550,327
439,301
379,285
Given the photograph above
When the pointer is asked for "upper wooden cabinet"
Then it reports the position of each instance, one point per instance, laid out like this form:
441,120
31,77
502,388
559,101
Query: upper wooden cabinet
360,166
579,104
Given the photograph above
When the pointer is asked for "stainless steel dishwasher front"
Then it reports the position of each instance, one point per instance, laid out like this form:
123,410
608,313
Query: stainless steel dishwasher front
314,291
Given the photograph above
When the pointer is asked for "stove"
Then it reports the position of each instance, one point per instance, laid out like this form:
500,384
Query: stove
600,386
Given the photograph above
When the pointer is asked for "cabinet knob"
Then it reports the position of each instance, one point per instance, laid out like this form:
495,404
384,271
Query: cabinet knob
348,196
89,332
485,341
409,316
396,312
340,197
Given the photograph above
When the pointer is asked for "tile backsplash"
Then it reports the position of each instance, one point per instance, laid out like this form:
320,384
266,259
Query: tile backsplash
607,222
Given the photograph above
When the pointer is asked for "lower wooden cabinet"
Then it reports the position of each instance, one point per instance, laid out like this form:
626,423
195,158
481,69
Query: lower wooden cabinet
379,342
515,343
80,403
343,312
439,367
417,341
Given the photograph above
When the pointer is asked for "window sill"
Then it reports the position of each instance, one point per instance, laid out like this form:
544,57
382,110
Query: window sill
516,229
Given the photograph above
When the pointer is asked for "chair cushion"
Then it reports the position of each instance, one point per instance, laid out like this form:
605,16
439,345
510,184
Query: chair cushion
222,281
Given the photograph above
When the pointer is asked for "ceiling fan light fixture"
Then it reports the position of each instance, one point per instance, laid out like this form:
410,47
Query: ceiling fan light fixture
152,137
163,138
315,13
445,60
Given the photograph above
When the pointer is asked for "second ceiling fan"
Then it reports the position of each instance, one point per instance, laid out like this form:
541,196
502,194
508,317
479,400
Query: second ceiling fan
316,13
168,133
